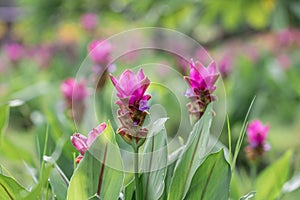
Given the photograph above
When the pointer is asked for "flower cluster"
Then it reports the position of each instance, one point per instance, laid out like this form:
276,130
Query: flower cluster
202,85
257,134
82,143
75,94
133,103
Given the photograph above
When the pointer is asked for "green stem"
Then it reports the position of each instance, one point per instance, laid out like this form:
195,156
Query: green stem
136,171
253,172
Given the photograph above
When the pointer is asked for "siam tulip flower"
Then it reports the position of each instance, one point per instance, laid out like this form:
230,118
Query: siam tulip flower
82,143
89,21
15,51
75,95
257,134
225,66
202,85
133,103
100,51
284,61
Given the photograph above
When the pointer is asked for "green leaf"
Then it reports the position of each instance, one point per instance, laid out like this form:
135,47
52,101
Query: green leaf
59,183
191,157
269,183
10,188
154,162
37,190
129,190
4,116
100,171
212,179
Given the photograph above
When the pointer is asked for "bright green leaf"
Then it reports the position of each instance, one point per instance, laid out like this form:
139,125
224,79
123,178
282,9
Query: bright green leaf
59,183
154,161
269,183
212,179
4,116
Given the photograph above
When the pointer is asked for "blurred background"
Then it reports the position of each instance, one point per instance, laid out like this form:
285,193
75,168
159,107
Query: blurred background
256,45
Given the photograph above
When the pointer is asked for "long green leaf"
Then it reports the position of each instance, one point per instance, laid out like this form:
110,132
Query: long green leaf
191,157
154,161
99,174
10,188
270,182
212,179
4,115
59,183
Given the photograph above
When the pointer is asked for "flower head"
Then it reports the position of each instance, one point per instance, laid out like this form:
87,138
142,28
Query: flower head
133,87
82,143
133,103
15,51
202,85
99,51
72,90
202,78
89,21
257,134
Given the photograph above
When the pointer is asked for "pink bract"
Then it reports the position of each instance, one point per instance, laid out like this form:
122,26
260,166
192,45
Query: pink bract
132,86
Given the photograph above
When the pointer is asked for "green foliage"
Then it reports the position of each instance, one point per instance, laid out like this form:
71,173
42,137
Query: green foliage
212,179
4,116
10,188
270,182
192,156
154,161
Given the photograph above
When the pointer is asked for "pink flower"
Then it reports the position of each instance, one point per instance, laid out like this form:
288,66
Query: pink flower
257,133
133,87
73,90
89,21
202,78
100,51
225,65
82,143
14,51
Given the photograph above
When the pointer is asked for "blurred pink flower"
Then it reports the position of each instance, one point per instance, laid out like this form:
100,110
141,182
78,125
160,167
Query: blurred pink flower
73,91
257,133
133,87
82,143
100,52
15,51
284,61
89,21
202,78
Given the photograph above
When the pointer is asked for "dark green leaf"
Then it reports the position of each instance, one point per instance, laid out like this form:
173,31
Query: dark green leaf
212,179
10,188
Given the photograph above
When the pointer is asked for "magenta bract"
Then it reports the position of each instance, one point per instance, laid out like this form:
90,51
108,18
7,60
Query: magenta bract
202,78
257,133
133,87
89,21
15,51
82,143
